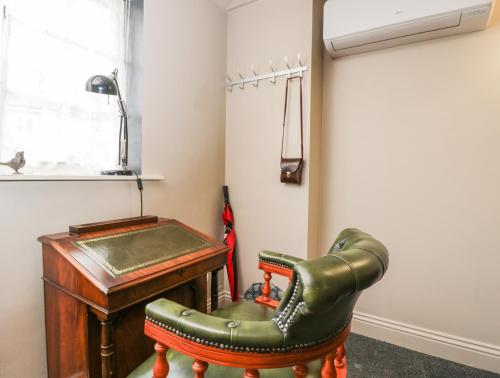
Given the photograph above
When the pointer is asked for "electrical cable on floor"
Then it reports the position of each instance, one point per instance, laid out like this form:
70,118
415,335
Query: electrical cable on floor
140,187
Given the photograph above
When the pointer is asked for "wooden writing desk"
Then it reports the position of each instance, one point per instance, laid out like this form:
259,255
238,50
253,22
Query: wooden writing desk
98,278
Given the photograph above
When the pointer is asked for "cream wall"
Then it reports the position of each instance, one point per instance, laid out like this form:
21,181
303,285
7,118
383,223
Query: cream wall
411,145
184,107
406,151
269,214
183,139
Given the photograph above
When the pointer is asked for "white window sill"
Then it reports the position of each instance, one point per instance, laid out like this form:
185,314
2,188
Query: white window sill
27,177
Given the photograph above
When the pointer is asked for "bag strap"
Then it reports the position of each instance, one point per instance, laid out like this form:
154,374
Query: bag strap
301,118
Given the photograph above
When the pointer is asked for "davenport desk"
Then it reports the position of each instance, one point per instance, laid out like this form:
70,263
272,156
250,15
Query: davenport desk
98,278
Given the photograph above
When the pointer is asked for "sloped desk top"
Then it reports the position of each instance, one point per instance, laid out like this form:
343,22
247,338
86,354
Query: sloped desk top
134,250
112,255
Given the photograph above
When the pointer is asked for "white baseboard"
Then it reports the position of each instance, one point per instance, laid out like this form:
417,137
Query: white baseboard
458,349
453,348
224,297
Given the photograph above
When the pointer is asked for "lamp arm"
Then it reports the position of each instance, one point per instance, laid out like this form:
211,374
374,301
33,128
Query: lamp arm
121,102
123,150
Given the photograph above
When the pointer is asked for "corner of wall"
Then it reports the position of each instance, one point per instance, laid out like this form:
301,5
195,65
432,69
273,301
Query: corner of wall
316,104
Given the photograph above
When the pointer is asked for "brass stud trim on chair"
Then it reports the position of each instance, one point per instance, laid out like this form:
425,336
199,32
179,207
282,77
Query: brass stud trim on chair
247,349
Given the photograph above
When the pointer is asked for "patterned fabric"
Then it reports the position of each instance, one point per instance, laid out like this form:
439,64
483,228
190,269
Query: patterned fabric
255,290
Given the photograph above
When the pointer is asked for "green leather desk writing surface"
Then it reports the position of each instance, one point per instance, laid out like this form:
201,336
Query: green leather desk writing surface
112,258
130,251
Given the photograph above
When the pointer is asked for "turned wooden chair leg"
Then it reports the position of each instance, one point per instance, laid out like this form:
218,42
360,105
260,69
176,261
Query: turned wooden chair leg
300,371
251,373
160,369
328,370
339,357
199,368
266,289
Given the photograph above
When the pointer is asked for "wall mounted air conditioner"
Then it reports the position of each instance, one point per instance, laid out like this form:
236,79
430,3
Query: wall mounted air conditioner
355,26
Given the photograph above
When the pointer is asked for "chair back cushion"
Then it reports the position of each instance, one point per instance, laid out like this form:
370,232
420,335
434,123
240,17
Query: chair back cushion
323,292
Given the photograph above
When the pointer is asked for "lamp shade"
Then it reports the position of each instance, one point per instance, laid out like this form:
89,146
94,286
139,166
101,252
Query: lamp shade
101,84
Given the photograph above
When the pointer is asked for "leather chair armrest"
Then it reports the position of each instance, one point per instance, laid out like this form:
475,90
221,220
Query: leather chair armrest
276,263
214,331
279,259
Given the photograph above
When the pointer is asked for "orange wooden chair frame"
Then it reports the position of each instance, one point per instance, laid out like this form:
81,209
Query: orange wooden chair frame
333,351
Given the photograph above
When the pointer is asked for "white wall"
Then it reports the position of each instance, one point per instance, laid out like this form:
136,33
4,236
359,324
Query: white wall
411,148
269,214
183,139
184,107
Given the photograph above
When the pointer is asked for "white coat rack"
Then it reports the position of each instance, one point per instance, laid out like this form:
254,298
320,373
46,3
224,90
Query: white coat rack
271,76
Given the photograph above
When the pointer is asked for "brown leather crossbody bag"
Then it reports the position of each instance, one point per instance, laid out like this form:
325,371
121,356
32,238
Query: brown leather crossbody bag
291,168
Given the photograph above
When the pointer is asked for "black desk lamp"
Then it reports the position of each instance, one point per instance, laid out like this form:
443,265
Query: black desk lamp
109,85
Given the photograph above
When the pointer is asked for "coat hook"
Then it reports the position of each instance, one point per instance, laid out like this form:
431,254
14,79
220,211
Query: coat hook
256,82
286,62
229,83
301,65
288,66
242,85
273,79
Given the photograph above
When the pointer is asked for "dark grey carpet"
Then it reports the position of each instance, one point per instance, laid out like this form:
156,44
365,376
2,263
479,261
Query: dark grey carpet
370,358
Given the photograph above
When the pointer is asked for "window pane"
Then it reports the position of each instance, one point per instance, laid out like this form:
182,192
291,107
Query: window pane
50,48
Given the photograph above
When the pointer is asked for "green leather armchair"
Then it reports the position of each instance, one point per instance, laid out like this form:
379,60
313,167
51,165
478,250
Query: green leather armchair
302,337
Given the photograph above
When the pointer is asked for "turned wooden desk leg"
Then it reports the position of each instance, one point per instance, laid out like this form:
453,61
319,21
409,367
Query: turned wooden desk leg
214,290
251,373
300,371
339,357
160,368
199,368
328,370
266,289
107,349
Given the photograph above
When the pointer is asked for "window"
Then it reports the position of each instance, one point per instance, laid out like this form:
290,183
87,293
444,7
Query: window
48,50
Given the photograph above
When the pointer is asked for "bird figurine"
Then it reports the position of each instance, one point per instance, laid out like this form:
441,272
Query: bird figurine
16,163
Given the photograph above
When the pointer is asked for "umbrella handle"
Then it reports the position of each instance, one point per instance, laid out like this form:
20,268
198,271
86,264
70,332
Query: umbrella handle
225,190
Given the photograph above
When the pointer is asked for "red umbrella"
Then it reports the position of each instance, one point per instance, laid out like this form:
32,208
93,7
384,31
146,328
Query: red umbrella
230,241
